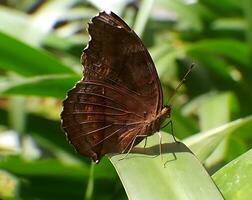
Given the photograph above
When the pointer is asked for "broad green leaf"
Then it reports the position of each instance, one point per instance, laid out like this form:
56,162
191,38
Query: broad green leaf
179,176
208,117
239,142
46,167
32,29
45,86
234,179
42,178
27,61
230,48
204,143
218,66
16,24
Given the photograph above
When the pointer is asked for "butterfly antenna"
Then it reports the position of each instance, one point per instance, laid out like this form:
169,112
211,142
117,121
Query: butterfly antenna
181,82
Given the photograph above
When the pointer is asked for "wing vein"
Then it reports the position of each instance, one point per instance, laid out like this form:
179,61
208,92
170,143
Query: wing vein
102,96
90,132
107,137
106,106
103,84
97,113
120,85
128,123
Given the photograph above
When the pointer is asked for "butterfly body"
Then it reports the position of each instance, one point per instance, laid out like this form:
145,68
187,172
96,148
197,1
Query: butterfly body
153,125
119,100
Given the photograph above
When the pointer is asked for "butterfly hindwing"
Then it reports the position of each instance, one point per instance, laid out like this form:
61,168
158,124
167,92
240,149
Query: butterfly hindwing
120,90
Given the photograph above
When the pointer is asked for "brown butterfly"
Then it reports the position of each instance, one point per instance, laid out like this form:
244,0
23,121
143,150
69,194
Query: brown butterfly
118,103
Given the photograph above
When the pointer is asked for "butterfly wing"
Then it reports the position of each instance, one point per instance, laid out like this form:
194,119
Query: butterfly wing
119,92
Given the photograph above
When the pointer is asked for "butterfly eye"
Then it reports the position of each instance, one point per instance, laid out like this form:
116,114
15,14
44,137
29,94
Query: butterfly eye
145,114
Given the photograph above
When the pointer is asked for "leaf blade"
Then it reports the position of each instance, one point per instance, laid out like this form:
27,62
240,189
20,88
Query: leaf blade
145,177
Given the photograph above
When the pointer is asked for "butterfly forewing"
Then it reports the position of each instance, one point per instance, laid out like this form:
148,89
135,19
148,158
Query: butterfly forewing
120,90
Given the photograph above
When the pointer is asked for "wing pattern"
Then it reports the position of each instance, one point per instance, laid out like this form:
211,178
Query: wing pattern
120,90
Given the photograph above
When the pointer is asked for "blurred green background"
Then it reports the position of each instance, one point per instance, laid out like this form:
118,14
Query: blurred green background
40,46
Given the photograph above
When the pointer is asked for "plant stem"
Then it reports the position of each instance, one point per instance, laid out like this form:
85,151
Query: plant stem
90,185
142,16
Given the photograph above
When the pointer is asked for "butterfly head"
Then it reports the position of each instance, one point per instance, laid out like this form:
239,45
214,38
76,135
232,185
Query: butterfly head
165,112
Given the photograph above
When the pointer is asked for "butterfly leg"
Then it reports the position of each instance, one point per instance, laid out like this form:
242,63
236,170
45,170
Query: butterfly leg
160,147
145,142
171,125
131,146
174,138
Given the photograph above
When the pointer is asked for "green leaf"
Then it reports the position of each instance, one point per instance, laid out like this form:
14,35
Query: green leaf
204,143
234,179
143,16
27,61
208,116
20,166
230,48
164,57
41,178
183,126
144,176
230,24
51,85
16,24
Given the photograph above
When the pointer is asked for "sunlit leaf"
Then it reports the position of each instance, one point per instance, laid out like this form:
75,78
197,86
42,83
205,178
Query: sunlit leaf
234,179
145,176
45,86
203,144
27,61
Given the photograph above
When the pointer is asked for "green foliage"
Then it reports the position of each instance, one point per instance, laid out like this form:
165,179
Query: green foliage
40,46
233,175
170,175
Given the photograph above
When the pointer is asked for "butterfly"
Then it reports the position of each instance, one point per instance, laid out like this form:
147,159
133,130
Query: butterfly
119,101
